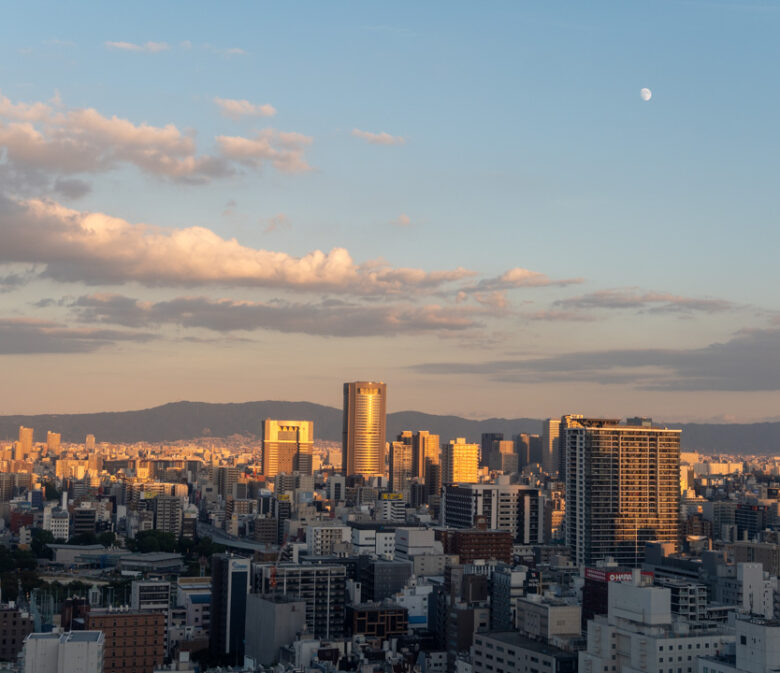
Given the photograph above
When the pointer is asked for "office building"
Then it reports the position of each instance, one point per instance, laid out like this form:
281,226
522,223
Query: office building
53,440
426,449
460,462
80,651
230,583
401,464
551,448
287,447
622,489
486,446
363,446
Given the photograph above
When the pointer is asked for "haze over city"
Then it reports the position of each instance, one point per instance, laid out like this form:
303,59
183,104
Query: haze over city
525,211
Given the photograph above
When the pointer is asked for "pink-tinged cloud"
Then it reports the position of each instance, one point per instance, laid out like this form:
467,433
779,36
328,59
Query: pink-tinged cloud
382,138
150,47
97,248
285,151
236,109
50,139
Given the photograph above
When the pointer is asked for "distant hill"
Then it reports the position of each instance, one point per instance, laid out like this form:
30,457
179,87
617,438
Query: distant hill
188,420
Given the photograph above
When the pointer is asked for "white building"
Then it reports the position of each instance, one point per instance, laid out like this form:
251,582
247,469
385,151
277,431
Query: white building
80,651
757,649
414,597
411,542
371,540
322,538
638,634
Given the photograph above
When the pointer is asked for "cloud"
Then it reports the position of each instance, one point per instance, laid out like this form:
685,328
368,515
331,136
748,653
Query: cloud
277,222
285,151
19,336
49,139
149,47
97,248
235,109
517,278
749,361
378,138
71,188
403,220
335,319
656,302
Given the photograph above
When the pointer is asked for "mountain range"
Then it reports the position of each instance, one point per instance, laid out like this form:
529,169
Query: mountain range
189,420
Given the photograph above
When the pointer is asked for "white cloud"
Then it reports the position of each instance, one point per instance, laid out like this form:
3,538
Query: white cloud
97,248
378,138
150,47
235,109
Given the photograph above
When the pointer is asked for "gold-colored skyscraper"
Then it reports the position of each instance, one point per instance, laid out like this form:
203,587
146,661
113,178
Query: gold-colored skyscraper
460,462
287,447
365,410
426,449
622,488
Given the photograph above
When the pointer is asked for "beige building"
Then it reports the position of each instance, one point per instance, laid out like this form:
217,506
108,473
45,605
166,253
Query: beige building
365,409
426,449
287,447
460,462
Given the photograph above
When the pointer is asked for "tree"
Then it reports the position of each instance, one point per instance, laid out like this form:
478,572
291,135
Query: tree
41,538
106,538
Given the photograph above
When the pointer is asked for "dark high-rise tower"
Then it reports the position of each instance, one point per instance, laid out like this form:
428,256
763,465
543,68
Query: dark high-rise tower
365,408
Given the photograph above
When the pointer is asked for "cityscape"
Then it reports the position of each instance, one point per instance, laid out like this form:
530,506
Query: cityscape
595,543
389,337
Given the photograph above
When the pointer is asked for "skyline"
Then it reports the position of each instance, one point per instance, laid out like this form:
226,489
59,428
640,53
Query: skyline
479,208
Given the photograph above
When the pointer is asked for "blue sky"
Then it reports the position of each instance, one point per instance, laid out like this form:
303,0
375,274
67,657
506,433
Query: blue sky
641,234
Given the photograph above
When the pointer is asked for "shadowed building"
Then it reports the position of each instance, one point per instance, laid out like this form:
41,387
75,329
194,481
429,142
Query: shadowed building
365,407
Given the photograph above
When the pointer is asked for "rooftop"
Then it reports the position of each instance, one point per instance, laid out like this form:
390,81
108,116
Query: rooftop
516,640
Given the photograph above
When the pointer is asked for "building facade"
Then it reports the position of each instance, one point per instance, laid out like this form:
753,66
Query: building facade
622,489
287,447
365,409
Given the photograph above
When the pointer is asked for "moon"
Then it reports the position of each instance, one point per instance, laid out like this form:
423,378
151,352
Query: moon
645,94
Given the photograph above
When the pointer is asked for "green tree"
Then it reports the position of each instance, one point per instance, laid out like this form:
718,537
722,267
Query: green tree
41,538
106,538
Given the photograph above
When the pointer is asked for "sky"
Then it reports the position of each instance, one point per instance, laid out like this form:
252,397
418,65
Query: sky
472,203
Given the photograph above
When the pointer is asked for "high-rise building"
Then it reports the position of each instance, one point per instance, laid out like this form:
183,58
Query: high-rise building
321,587
622,489
53,440
365,408
168,514
460,462
486,446
551,445
287,446
89,444
515,508
230,582
25,443
401,463
425,447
